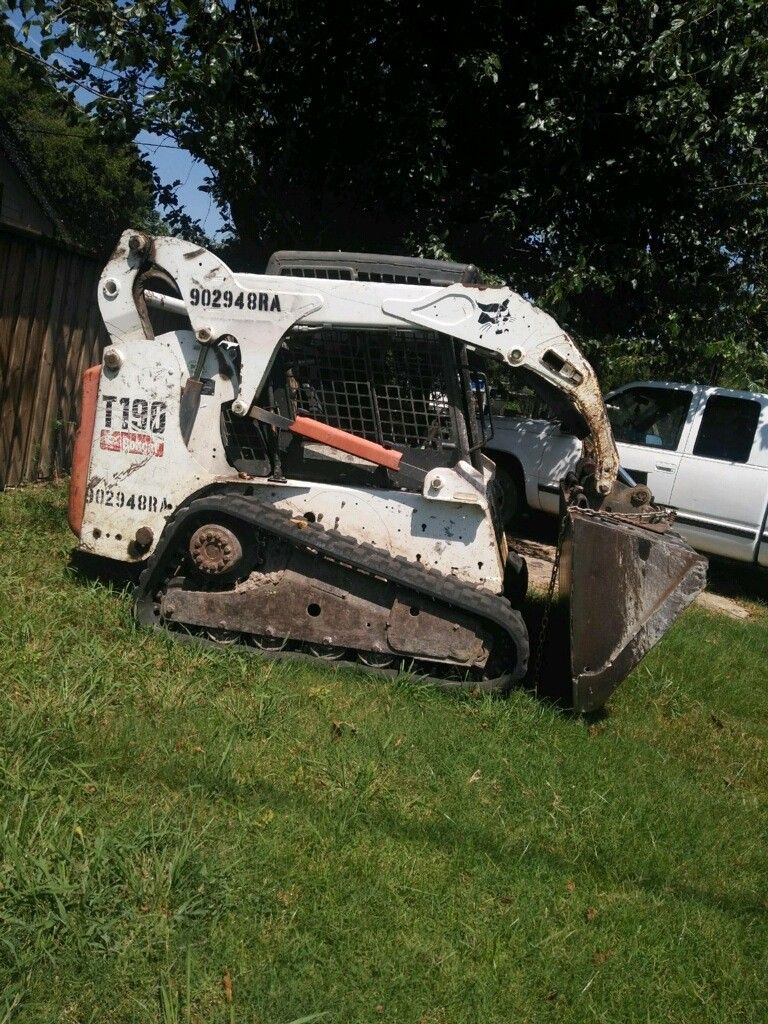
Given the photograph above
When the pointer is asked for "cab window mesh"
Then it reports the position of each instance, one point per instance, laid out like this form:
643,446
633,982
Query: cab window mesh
387,386
401,388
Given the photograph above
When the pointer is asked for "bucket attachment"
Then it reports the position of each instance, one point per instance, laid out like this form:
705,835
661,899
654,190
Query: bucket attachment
621,587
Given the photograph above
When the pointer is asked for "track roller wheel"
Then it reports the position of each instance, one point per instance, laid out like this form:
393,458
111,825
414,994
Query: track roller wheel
328,652
225,637
375,659
270,643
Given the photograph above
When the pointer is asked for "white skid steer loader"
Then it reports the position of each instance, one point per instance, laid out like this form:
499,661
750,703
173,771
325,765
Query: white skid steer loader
299,468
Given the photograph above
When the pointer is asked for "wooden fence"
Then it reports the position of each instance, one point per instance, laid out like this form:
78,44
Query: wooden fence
50,331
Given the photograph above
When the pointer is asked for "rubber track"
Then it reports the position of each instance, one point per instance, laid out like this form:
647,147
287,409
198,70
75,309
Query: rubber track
361,557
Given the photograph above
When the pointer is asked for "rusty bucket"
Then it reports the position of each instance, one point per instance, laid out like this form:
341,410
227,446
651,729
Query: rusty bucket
621,587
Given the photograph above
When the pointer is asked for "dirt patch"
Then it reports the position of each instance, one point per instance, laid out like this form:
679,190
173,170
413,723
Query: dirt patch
540,558
723,605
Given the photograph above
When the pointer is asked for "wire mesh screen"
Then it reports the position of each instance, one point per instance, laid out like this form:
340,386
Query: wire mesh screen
387,386
241,437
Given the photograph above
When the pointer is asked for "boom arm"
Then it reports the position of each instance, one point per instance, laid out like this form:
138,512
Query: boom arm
258,310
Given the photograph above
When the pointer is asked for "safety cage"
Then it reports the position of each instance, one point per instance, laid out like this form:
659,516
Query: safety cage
405,389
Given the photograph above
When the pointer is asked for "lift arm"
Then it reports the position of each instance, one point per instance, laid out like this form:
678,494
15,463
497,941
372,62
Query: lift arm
258,310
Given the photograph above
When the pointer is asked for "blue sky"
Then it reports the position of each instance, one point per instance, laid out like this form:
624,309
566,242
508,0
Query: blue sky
171,161
177,164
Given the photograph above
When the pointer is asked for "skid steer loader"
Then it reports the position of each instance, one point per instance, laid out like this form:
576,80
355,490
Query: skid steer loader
298,467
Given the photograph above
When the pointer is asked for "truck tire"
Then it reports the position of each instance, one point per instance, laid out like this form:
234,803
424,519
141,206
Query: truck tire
510,495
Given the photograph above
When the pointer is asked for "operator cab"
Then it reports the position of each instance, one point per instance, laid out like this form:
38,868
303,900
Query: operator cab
406,389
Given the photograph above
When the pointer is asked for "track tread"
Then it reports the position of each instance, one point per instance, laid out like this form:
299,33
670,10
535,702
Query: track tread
360,556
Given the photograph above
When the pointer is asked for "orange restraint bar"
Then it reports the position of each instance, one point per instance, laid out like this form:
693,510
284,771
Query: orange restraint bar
81,456
345,442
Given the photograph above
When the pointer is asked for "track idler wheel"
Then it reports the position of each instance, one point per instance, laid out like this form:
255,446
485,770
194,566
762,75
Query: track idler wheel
215,549
220,553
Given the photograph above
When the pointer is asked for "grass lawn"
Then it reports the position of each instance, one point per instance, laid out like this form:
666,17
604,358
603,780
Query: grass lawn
196,835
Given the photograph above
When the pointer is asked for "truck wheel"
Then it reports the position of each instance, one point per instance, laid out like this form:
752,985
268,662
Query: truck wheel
511,500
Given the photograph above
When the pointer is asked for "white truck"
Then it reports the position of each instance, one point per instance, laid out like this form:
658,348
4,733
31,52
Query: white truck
701,450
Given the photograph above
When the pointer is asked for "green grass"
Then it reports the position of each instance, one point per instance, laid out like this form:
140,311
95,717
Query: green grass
173,816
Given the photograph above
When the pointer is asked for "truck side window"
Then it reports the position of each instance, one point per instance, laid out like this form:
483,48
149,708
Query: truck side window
727,428
649,416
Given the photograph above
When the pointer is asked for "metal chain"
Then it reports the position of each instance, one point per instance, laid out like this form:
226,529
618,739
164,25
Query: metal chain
544,629
657,516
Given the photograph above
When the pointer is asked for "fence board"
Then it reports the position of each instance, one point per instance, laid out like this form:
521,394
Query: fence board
66,355
60,334
15,382
36,440
39,315
80,346
9,306
9,302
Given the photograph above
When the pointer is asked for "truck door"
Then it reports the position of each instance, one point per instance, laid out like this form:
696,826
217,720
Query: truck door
721,486
649,423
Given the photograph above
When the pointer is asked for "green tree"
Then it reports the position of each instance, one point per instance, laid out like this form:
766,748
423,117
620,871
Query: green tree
608,159
96,180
